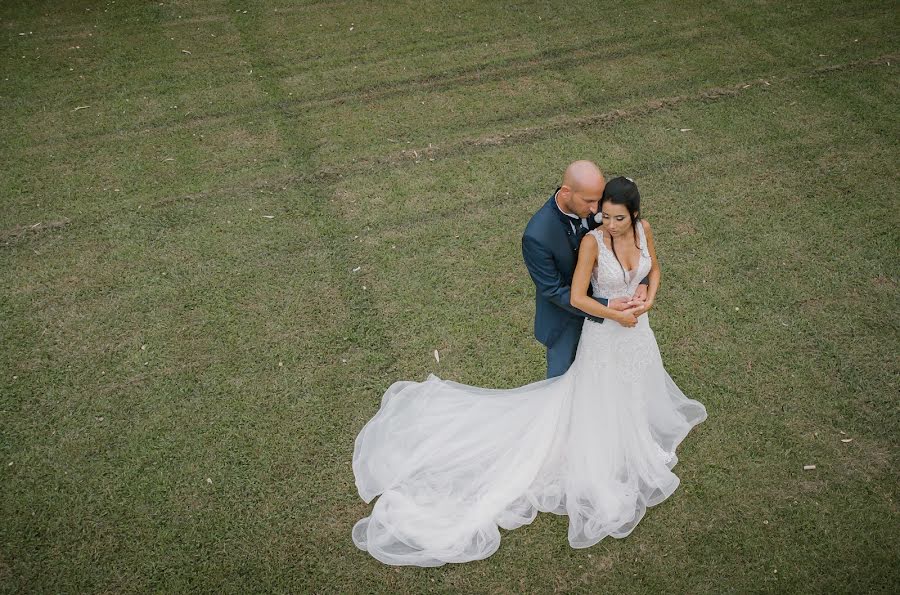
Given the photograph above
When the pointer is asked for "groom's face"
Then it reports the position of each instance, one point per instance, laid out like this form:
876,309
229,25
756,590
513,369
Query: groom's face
585,202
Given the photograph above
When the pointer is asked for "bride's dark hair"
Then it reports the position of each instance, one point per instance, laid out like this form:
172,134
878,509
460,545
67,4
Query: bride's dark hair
623,191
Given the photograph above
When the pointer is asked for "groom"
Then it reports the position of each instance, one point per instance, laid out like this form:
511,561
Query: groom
550,249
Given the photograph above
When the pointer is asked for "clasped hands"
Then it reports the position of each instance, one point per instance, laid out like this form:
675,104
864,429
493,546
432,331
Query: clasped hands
628,309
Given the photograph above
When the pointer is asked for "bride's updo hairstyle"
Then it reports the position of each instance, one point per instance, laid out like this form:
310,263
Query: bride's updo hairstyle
623,191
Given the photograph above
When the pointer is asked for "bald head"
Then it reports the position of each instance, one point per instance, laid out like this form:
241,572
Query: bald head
583,176
581,189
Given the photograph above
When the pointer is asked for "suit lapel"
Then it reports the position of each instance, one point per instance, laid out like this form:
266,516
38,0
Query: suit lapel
566,221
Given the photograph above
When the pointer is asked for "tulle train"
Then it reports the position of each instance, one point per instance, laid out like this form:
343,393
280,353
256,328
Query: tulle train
452,462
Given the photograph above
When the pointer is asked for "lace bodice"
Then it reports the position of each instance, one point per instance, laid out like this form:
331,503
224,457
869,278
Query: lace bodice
607,280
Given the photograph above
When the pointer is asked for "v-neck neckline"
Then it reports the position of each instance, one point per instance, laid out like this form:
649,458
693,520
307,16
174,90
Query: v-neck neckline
614,255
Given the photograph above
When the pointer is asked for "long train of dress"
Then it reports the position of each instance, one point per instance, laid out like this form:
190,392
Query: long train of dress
452,463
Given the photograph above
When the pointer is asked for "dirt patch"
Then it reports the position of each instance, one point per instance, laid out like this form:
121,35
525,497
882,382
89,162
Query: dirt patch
20,233
886,59
685,229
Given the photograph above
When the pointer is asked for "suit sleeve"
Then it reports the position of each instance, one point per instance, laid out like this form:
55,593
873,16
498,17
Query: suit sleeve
543,271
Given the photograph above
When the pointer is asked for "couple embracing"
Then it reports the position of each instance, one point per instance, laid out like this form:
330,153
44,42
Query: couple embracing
595,440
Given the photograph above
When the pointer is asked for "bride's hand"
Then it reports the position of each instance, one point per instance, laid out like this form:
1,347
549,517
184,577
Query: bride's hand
626,318
620,304
642,309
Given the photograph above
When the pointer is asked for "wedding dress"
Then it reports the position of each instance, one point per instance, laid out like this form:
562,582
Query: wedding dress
452,462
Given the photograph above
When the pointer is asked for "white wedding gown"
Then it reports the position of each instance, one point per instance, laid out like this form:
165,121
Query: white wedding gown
452,463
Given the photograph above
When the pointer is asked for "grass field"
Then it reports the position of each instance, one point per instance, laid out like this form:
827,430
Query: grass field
188,354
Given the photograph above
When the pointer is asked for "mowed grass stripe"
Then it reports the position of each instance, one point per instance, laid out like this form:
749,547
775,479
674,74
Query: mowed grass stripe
182,403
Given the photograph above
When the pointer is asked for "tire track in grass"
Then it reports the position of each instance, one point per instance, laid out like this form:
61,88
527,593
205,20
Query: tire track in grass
342,400
452,78
464,76
315,180
310,185
562,125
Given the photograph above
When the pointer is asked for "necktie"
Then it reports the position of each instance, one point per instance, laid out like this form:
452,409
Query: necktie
580,229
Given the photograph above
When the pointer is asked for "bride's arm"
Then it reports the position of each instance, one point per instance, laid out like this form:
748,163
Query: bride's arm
655,274
581,279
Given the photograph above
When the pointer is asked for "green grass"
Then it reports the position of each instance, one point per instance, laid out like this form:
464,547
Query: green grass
183,378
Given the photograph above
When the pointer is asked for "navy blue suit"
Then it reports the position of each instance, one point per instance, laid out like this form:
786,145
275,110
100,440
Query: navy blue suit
550,250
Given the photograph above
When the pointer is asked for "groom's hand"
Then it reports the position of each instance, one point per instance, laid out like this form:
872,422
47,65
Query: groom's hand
640,295
619,304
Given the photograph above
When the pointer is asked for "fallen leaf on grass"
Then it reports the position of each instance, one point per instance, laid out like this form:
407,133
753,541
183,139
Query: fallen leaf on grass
437,356
185,52
268,216
81,107
846,440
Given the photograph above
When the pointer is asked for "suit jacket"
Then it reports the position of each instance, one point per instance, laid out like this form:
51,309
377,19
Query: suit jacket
550,250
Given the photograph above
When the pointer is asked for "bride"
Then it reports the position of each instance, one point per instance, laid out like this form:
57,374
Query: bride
452,462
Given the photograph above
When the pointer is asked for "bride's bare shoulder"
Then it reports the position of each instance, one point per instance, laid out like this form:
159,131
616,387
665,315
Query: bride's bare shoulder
589,242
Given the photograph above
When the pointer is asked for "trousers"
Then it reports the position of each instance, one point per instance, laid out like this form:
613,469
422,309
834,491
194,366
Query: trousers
561,354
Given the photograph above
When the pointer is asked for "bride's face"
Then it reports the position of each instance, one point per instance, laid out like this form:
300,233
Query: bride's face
616,219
